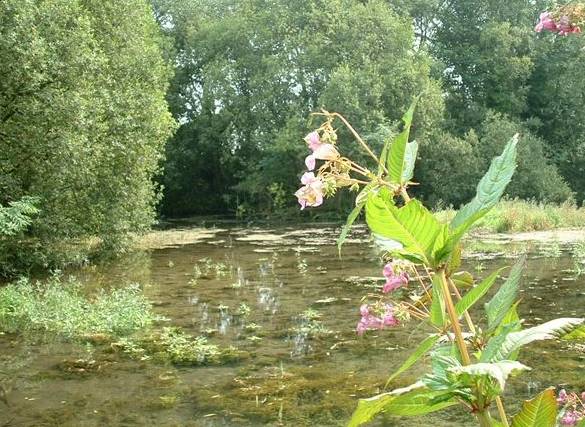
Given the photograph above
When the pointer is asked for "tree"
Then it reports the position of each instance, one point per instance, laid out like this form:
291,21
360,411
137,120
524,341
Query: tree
249,73
83,118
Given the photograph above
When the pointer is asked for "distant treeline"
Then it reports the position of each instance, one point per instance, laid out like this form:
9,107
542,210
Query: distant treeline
114,112
248,73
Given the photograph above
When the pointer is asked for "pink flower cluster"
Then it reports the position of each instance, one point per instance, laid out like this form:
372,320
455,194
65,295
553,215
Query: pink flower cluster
563,27
311,194
376,317
573,407
320,150
394,277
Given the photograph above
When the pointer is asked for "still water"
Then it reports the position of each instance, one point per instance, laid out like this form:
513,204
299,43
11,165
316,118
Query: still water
294,374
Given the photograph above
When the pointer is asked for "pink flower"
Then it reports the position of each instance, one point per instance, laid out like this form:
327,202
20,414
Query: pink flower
393,280
570,418
546,22
364,310
313,140
562,397
311,194
371,321
583,397
321,152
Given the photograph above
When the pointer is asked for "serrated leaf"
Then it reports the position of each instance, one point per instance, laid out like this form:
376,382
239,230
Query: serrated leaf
442,359
501,302
498,371
511,319
409,401
397,153
360,200
409,161
476,293
420,351
495,343
437,315
550,330
489,190
413,226
577,334
541,411
491,187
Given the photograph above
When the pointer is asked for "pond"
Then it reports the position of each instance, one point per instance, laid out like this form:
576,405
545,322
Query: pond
285,298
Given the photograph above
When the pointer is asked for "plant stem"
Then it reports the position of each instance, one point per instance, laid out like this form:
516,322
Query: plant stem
502,411
404,195
468,320
465,359
499,403
360,140
484,418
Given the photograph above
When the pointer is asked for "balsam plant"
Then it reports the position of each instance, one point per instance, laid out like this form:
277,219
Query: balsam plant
470,363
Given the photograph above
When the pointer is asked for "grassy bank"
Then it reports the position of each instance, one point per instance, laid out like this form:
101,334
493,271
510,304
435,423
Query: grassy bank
513,216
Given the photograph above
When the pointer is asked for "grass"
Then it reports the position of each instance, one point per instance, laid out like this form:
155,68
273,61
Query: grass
511,216
62,309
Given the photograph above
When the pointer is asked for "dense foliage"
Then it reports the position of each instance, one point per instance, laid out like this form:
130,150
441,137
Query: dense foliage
248,73
83,120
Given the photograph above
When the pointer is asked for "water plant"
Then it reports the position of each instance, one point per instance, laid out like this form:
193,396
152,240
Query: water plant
174,345
61,308
470,364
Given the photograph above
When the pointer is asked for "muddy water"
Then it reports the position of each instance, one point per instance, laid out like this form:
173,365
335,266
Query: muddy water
293,374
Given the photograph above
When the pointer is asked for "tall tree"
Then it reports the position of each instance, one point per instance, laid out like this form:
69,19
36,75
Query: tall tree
250,72
83,118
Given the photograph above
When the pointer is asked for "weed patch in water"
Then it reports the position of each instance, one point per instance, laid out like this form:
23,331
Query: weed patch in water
62,309
175,346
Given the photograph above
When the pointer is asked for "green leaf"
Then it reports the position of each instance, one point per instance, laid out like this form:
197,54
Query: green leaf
476,293
455,261
490,187
495,343
409,401
396,163
511,322
577,334
550,330
412,225
360,202
462,279
581,423
422,348
538,412
501,302
489,191
499,372
438,305
409,161
443,358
